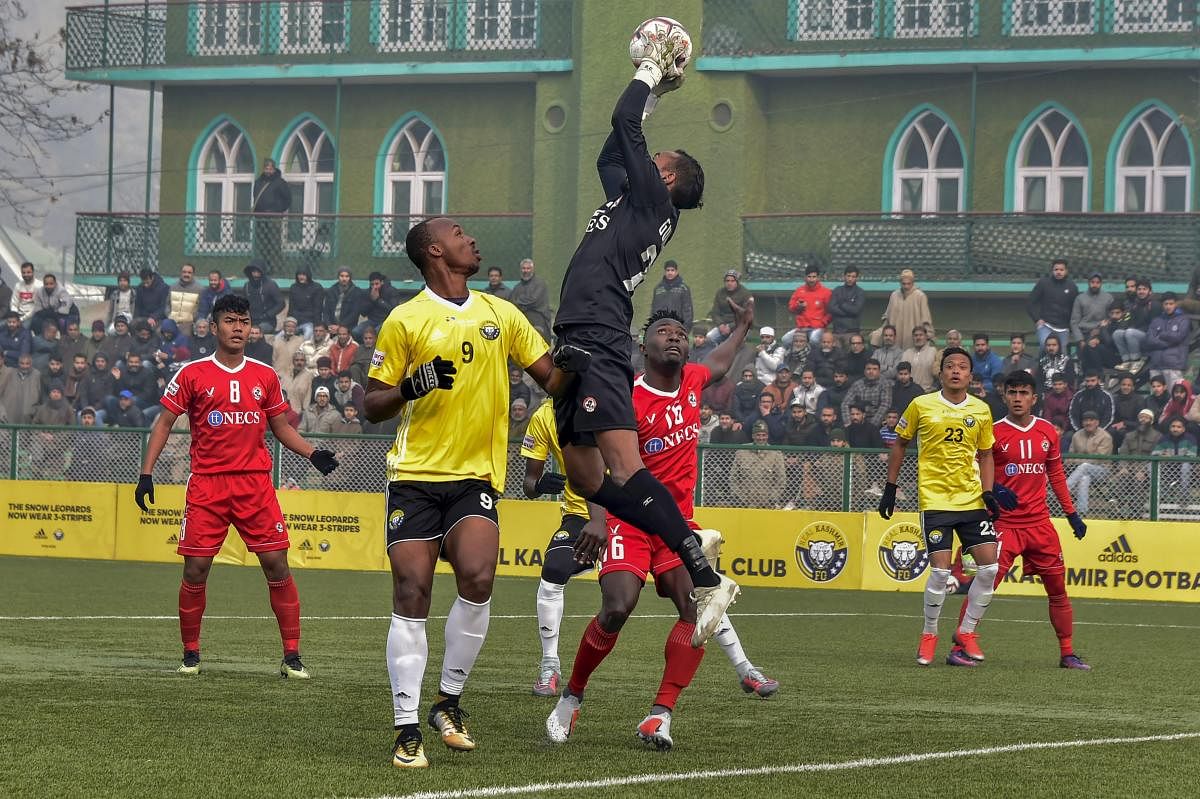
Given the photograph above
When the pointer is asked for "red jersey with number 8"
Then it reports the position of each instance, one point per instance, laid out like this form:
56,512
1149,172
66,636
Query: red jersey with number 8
1022,456
227,410
669,432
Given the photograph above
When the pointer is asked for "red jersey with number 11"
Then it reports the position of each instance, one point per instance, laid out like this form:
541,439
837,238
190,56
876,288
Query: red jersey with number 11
228,411
1024,457
669,432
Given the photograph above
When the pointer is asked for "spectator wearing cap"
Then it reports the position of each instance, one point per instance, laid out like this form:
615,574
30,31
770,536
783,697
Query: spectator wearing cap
769,355
768,413
887,353
54,410
518,420
780,388
810,305
721,314
297,382
321,416
325,377
870,392
217,287
119,342
266,300
907,308
1089,309
905,389
125,413
985,363
798,426
1051,302
759,474
1138,315
306,302
1167,340
20,389
1141,439
15,340
1091,440
285,344
152,298
672,294
846,304
381,298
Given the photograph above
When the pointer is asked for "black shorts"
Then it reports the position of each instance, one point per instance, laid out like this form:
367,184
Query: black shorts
973,527
421,511
602,398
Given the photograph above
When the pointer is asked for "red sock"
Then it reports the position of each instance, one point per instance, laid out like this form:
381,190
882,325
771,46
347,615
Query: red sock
1062,617
593,649
191,613
682,662
285,601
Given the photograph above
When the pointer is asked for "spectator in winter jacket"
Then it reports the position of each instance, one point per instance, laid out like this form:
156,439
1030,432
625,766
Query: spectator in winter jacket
860,433
306,302
1167,340
120,300
44,343
1138,316
836,391
184,297
673,294
321,416
1178,405
721,314
780,388
905,389
217,287
125,412
152,298
297,382
495,285
1056,403
1158,397
746,394
769,415
1141,439
257,346
15,340
270,196
1094,354
922,359
825,358
1091,440
54,410
846,303
1051,302
872,393
97,386
1054,362
798,425
380,299
342,350
532,296
1091,397
344,301
1089,309
1127,405
984,362
52,303
770,355
1177,443
856,356
991,398
759,475
347,392
887,353
203,343
908,308
266,300
1017,358
285,344
810,304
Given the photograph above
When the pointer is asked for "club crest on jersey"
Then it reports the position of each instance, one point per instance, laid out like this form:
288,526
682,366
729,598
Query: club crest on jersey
490,331
692,398
1045,445
258,393
821,552
654,446
935,536
395,519
589,404
279,527
969,421
902,554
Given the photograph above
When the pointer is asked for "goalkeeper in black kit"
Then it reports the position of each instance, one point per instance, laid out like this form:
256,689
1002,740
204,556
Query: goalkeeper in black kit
595,418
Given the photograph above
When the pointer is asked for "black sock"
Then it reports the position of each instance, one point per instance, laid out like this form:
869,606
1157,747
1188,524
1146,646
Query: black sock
446,700
408,730
646,503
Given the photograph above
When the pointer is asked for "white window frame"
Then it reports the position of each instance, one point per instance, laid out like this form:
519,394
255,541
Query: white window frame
931,174
1122,8
312,42
1054,173
1156,174
837,11
504,26
417,17
229,181
236,21
417,180
937,29
1056,10
311,183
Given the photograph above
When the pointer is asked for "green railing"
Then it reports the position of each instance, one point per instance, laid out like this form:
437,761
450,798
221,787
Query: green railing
785,27
808,478
271,32
107,244
971,247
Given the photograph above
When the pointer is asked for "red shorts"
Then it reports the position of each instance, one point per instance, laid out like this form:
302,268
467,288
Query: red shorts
1037,544
631,550
245,500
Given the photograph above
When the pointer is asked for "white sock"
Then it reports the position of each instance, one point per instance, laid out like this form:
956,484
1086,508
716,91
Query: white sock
466,627
407,654
979,596
731,645
549,616
935,595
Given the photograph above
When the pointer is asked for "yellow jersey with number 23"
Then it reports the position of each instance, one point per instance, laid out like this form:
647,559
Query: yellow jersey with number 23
948,437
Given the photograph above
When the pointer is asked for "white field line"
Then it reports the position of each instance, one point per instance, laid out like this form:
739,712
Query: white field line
529,617
797,768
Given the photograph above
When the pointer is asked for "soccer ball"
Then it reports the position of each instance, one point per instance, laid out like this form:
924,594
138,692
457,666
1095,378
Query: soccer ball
658,32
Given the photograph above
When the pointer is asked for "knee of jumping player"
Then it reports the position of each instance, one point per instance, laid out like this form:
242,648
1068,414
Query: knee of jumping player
559,566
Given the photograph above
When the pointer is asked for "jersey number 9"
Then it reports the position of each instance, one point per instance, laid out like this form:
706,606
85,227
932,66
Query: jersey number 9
468,352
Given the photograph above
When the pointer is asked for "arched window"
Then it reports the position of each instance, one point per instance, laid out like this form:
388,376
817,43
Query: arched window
928,168
1154,165
414,180
225,178
308,165
1052,166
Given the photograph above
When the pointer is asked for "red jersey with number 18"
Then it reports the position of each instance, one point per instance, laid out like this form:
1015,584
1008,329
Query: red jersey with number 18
1023,457
228,411
669,432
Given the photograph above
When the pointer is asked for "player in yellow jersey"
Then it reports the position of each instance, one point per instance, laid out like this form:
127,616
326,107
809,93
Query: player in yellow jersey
953,431
440,364
559,563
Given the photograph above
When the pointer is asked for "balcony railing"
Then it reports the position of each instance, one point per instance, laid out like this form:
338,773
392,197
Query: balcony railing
781,27
274,32
971,247
107,244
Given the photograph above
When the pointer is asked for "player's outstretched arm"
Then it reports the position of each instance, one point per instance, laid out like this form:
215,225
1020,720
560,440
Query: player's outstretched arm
645,184
720,360
322,459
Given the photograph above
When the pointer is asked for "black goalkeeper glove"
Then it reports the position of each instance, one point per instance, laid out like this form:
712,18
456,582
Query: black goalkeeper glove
145,490
1077,525
438,373
551,483
993,507
887,502
570,358
324,460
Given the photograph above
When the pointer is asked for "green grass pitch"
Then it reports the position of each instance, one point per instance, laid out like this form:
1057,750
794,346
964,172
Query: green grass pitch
92,708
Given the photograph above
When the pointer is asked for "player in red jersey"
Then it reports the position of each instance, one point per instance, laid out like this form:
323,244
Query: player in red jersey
666,402
230,400
1027,454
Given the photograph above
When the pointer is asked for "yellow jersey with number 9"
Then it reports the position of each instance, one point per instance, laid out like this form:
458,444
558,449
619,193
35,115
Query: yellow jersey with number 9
461,432
541,441
948,437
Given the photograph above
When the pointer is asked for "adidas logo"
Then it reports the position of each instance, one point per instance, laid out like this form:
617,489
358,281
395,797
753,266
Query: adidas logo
174,539
40,535
1118,551
306,546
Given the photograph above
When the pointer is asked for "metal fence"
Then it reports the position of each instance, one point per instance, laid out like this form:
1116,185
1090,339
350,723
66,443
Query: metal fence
187,33
107,244
740,477
970,246
780,27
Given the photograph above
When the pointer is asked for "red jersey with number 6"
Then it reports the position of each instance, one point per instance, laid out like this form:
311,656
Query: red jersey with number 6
1024,457
669,432
228,411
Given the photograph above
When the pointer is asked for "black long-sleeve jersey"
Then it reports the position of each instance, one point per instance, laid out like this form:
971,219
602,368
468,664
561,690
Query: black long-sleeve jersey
624,235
